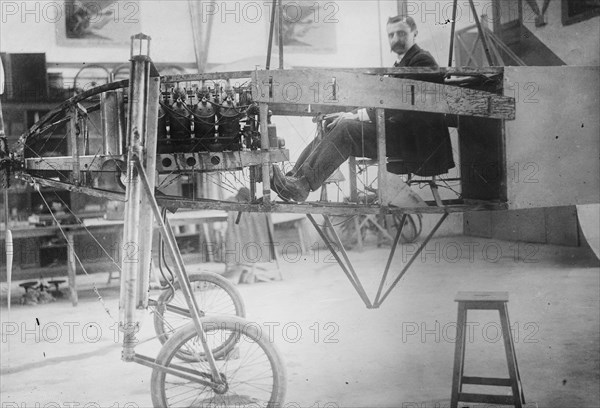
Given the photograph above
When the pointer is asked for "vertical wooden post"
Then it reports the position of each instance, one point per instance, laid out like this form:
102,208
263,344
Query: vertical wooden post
72,268
280,33
271,28
402,9
72,130
147,227
382,188
352,175
135,272
452,32
264,145
459,354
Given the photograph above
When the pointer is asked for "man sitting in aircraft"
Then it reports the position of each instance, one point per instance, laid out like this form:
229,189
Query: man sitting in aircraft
419,142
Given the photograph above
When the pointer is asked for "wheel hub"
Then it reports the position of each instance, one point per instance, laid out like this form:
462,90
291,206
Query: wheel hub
223,387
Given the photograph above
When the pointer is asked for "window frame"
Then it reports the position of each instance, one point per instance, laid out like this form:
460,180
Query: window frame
586,15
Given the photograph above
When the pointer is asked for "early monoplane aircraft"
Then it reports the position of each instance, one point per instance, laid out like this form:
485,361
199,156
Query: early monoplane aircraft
127,139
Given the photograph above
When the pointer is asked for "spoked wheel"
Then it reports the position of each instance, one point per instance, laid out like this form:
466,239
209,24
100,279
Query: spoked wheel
345,227
253,371
214,295
413,225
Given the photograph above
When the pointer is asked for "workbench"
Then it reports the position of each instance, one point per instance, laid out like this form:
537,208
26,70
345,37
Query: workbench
92,226
184,223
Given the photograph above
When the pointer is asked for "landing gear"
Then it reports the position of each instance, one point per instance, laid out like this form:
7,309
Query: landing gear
251,372
214,294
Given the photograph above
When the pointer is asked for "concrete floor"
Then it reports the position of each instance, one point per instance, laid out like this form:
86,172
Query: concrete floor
337,352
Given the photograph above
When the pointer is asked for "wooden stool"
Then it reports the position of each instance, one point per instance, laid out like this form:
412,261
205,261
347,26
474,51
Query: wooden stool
56,283
28,285
485,301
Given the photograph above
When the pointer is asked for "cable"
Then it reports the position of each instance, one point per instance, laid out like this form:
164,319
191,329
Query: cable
72,249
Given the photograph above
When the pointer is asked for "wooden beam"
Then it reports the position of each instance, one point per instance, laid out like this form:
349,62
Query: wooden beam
177,162
407,71
336,88
327,208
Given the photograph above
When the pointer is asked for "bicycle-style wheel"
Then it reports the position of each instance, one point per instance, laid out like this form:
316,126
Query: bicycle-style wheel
214,295
413,226
253,371
345,227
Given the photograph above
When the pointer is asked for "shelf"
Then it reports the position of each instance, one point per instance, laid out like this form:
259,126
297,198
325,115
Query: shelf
187,235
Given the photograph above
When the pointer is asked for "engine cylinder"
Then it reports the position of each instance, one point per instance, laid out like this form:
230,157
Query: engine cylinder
205,114
229,125
179,117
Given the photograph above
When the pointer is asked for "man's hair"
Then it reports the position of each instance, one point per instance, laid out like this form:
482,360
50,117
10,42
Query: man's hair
408,20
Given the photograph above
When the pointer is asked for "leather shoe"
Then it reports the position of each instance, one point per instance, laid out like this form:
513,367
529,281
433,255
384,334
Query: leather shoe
290,188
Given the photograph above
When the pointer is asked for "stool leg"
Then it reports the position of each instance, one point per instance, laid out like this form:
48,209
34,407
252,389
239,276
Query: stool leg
459,354
510,356
522,394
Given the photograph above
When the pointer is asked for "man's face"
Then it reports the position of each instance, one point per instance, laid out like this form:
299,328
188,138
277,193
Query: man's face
400,36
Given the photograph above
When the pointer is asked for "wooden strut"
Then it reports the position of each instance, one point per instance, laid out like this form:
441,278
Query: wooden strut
182,277
481,35
271,29
486,48
348,269
452,33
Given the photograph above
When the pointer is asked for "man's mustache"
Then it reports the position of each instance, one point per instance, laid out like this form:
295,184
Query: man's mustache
399,46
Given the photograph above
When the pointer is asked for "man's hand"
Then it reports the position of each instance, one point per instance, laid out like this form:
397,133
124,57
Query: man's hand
340,116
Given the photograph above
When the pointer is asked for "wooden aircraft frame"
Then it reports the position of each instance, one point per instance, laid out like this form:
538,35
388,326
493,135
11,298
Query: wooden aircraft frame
131,146
136,149
284,92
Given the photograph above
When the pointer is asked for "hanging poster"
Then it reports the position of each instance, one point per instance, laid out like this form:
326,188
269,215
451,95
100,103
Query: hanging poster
308,26
98,22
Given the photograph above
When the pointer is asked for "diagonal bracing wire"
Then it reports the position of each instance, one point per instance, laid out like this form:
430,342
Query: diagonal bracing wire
70,248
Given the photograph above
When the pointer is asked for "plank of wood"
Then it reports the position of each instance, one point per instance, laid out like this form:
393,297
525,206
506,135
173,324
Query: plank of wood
457,71
95,192
206,76
166,162
327,208
337,88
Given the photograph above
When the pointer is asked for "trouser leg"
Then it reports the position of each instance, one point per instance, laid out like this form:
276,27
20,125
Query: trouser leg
303,156
347,138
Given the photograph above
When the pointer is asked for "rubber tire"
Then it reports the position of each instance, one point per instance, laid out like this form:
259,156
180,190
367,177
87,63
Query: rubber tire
345,227
411,231
241,327
216,279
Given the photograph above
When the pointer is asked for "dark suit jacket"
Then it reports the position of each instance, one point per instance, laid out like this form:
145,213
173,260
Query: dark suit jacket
418,142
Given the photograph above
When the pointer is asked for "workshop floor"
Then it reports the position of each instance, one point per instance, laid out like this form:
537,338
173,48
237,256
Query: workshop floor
337,352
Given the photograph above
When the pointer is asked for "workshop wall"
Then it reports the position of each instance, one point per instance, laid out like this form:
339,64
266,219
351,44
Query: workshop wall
355,31
239,32
575,44
34,27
